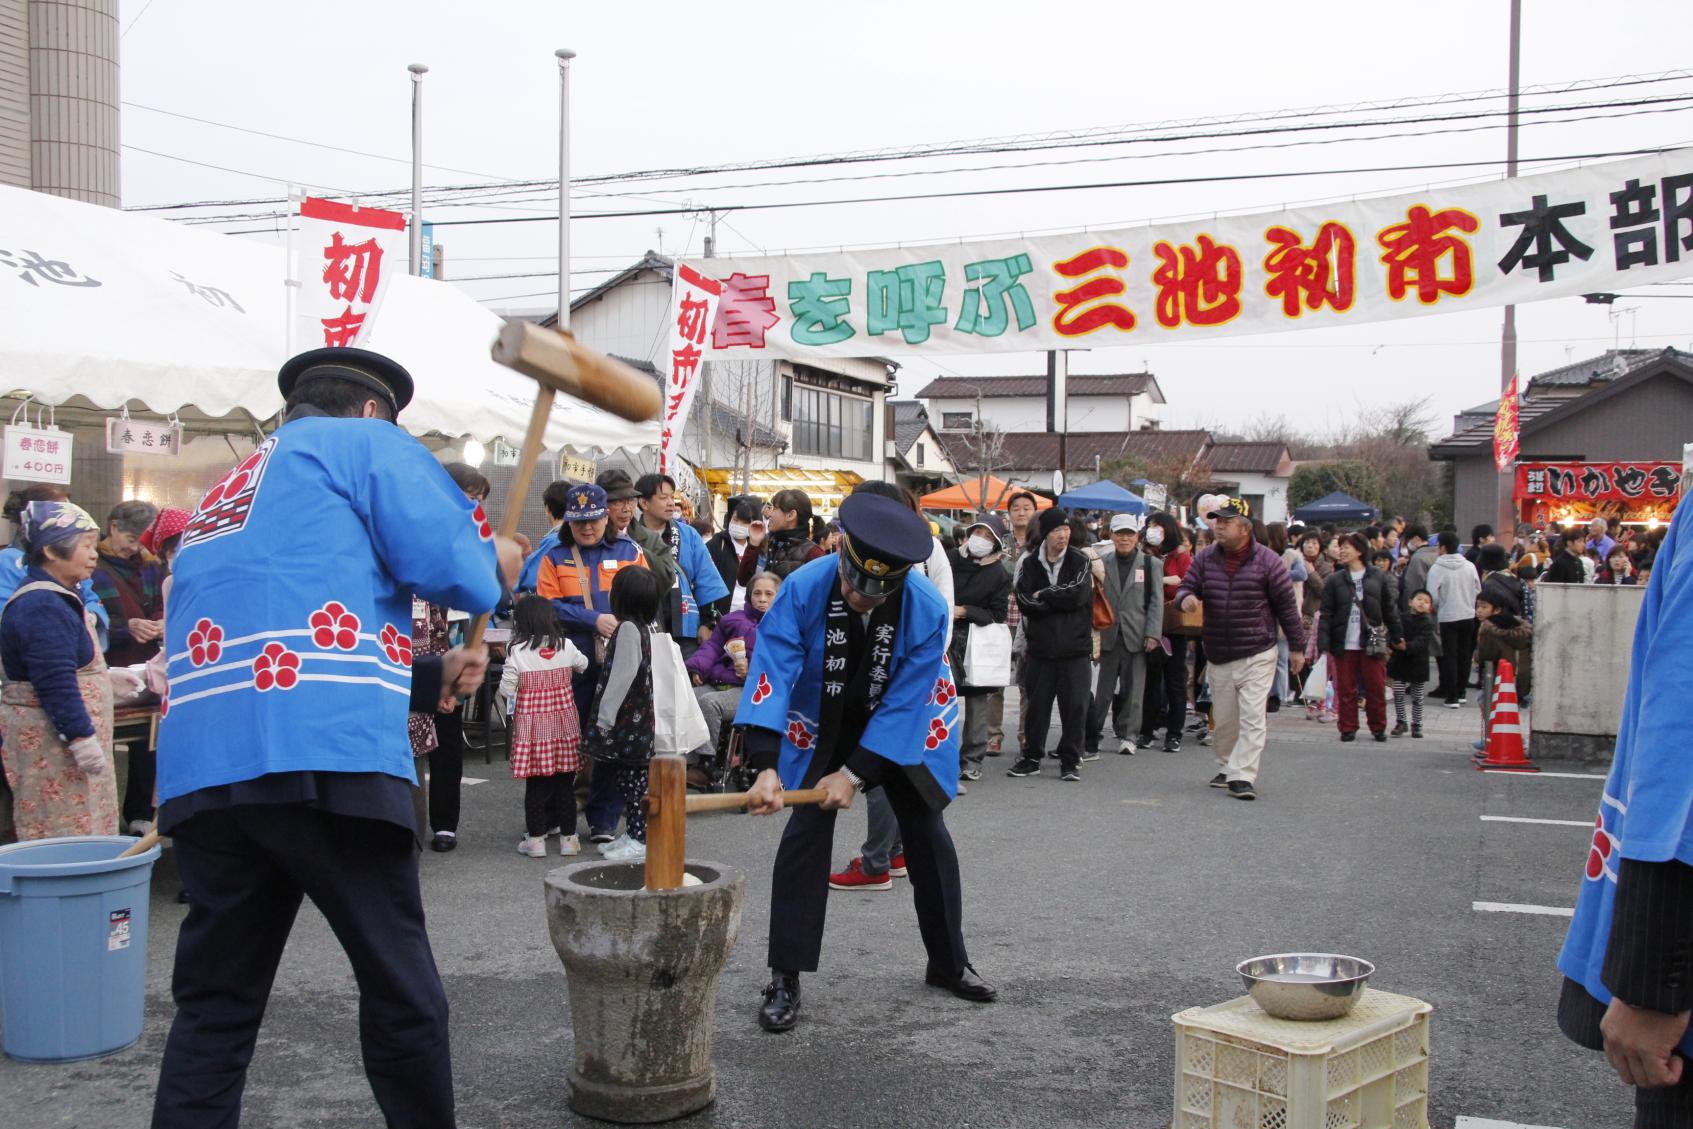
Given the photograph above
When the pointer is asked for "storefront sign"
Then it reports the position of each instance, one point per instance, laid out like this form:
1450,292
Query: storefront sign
1599,482
35,454
1599,227
143,437
345,257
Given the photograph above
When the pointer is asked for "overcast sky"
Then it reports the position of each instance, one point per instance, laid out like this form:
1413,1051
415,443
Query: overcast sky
659,84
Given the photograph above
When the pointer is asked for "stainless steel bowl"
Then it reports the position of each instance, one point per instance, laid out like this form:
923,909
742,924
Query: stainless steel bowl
1305,985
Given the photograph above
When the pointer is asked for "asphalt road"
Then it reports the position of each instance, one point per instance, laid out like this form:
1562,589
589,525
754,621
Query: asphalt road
1099,908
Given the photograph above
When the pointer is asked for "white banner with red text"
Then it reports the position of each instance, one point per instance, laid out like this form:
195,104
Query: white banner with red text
693,309
343,259
1598,227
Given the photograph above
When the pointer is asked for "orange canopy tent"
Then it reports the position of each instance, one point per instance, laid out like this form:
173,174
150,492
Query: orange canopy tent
967,495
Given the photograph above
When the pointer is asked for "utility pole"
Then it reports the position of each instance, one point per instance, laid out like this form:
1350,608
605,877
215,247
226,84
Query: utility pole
564,55
1506,516
707,456
418,70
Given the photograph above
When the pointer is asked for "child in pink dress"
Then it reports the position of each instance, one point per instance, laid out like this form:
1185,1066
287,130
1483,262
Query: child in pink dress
546,735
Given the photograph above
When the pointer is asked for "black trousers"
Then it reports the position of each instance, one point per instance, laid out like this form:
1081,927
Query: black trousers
138,788
799,887
1457,649
446,771
1166,690
245,870
1068,682
549,802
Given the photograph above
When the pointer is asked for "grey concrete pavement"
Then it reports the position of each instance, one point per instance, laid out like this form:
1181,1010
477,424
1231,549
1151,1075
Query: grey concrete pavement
1099,908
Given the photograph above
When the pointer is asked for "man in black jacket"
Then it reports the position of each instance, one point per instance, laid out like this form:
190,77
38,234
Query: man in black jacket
728,545
1055,594
1566,566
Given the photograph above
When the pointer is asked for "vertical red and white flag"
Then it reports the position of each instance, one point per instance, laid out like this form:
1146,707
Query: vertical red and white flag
693,309
1507,429
345,256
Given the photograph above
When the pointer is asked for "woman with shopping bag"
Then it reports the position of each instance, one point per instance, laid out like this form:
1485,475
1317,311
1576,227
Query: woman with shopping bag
981,643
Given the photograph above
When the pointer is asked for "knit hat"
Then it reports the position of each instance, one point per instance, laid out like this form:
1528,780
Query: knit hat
170,523
48,523
993,523
1048,520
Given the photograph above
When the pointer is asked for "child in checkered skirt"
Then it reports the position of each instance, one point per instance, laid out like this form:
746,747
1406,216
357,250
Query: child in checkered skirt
546,735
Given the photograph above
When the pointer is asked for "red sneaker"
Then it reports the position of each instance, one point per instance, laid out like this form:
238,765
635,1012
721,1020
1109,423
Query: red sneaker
896,866
854,877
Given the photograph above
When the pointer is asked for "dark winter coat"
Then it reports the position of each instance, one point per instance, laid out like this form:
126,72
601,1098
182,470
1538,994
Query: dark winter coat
1243,610
1381,606
1422,643
782,552
1058,619
722,550
983,589
1566,568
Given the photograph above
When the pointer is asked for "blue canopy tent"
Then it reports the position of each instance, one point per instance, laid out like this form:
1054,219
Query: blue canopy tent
1103,495
1335,507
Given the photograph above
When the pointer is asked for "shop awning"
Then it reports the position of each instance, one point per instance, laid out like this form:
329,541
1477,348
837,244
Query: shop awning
106,309
825,488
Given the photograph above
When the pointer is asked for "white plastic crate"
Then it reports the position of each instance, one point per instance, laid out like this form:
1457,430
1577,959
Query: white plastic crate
1239,1068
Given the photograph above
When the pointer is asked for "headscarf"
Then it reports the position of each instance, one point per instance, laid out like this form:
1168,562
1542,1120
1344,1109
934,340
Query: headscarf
170,523
48,523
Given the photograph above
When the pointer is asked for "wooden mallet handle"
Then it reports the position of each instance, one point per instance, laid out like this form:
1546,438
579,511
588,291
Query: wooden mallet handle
668,806
737,801
142,845
556,363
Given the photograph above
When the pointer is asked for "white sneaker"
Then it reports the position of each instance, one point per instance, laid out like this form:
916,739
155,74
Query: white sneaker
139,826
616,844
533,845
569,845
627,850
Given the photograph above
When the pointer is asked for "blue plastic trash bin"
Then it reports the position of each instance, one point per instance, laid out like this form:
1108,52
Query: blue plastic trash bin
73,946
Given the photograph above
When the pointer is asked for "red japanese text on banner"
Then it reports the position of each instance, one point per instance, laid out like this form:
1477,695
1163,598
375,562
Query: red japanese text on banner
1598,227
345,255
1506,429
694,306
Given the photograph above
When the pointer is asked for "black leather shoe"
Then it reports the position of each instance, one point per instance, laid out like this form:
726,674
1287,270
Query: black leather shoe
966,985
781,1002
443,842
1353,736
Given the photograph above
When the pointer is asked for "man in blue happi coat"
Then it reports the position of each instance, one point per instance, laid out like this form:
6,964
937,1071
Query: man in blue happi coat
1628,958
848,690
284,767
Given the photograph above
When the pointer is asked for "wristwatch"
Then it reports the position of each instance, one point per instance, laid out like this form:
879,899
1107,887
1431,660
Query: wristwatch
857,781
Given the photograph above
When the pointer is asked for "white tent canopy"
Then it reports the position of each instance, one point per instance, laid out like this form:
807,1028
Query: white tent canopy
193,323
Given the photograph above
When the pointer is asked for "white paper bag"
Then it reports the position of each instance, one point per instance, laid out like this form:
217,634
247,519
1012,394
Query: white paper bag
678,724
987,655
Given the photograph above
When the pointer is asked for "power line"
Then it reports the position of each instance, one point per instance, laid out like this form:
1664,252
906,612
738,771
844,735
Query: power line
1027,142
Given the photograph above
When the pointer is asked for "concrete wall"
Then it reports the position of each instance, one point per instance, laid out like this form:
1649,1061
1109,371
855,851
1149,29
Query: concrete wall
73,87
14,93
1583,634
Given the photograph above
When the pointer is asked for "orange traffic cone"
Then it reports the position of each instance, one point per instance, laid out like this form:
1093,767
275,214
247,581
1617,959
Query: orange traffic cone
1506,750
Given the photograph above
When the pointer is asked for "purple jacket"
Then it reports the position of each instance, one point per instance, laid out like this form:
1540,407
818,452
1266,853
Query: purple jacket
711,662
1242,611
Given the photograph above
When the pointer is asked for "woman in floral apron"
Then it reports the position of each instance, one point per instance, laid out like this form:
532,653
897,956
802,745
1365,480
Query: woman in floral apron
56,706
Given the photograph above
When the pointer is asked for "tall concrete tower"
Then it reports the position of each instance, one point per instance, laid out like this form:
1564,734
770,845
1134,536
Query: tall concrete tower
59,98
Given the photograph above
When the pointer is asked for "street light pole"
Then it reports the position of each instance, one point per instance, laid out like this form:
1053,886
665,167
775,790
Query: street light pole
1506,515
564,55
415,243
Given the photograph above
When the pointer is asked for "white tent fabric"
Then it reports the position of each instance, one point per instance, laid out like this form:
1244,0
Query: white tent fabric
193,322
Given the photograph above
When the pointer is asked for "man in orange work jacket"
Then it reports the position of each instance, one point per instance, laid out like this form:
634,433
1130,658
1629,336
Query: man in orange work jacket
576,575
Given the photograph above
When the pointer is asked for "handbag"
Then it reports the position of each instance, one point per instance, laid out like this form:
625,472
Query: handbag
678,723
1104,615
987,656
1374,634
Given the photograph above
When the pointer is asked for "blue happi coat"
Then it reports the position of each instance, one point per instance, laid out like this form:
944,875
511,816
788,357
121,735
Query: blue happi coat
919,717
288,629
1646,812
697,576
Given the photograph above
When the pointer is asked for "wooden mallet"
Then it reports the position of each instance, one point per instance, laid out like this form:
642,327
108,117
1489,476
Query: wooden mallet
557,363
668,806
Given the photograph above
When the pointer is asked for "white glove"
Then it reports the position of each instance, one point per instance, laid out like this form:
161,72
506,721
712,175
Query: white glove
90,755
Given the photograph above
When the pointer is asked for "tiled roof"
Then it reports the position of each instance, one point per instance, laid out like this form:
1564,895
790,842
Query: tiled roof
1038,450
1247,458
1125,384
909,421
1593,370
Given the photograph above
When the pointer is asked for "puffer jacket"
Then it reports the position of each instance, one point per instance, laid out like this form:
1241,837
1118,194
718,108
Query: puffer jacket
1243,610
1381,607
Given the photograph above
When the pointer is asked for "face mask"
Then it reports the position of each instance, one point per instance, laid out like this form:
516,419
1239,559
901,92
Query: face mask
739,530
1155,536
979,546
